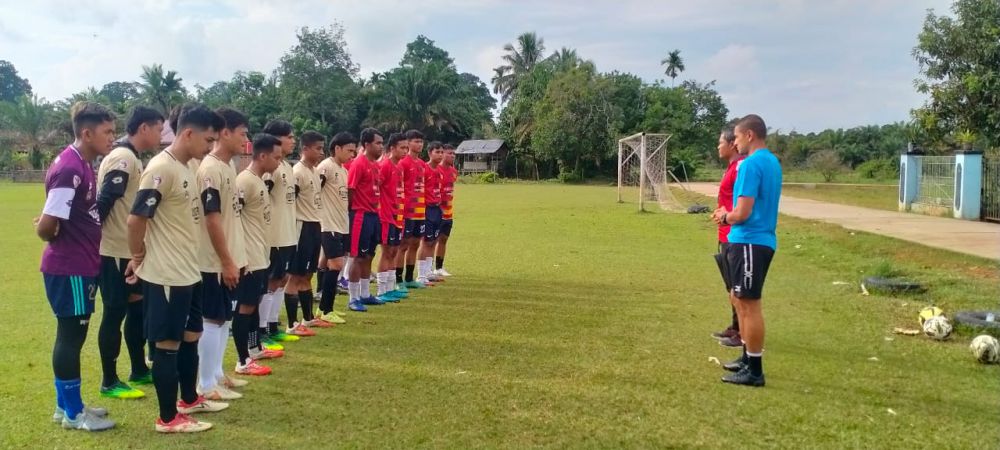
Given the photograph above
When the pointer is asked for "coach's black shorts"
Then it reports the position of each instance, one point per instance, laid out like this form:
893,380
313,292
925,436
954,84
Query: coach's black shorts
335,245
307,251
392,236
446,227
252,286
217,301
748,264
171,310
281,257
432,223
412,228
114,290
365,233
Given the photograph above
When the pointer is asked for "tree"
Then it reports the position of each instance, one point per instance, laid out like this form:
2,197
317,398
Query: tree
423,51
12,86
673,65
565,59
959,57
519,61
162,90
29,120
121,95
827,163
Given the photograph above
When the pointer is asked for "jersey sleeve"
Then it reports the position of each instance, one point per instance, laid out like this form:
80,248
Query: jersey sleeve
152,184
61,193
323,169
748,180
354,176
209,182
112,187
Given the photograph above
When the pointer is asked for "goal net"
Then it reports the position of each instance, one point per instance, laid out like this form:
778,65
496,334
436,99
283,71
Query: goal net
642,164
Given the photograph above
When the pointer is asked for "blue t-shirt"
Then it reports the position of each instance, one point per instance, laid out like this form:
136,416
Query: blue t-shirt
759,178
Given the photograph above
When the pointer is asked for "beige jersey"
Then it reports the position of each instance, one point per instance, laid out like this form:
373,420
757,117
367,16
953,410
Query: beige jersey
333,179
282,232
193,164
256,217
217,184
168,196
118,181
307,203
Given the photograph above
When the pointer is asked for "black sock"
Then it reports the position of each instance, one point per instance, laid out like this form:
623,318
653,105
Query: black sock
438,262
256,333
71,333
292,308
109,343
756,365
399,274
306,300
320,274
187,371
165,382
241,335
409,273
272,328
329,290
736,320
135,338
746,358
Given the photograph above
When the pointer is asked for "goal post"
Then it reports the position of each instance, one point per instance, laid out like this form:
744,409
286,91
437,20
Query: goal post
642,163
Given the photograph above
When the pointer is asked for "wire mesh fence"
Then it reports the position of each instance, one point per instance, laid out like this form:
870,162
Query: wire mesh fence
937,181
990,208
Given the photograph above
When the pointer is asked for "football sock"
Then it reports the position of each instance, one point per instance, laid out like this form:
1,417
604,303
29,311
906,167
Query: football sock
380,283
409,273
399,274
306,300
206,352
439,262
220,349
291,308
756,364
241,335
352,290
329,291
265,309
72,402
109,341
320,274
165,382
364,288
71,332
187,371
134,339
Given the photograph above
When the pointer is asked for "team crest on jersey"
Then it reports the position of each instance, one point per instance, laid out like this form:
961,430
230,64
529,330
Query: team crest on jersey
156,182
123,164
151,202
208,182
76,181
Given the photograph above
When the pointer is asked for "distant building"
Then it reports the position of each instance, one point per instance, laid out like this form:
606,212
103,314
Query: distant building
478,156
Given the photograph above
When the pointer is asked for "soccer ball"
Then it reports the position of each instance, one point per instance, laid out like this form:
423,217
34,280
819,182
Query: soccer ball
928,312
986,349
937,328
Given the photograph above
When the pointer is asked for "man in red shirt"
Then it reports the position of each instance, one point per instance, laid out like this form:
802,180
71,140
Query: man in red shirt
391,217
413,211
730,337
449,174
363,198
433,215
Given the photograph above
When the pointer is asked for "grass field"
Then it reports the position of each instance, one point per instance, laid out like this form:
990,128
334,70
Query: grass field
572,321
877,197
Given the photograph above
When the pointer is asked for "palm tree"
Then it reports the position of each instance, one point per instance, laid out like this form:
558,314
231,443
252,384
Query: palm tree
674,65
417,97
29,120
520,59
164,90
565,59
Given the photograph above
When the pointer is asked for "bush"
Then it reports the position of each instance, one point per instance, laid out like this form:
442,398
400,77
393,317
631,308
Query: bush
879,169
570,177
488,178
684,163
827,163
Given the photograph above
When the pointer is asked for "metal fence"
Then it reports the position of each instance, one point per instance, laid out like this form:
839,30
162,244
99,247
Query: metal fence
990,208
23,176
937,181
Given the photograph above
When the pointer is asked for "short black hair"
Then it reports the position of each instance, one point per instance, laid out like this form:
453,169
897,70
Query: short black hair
310,138
234,119
448,147
729,131
754,123
199,116
394,139
434,145
87,115
142,115
414,134
341,139
368,135
278,127
264,144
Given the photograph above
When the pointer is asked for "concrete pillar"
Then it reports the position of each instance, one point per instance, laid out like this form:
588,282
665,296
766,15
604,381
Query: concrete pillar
909,178
968,184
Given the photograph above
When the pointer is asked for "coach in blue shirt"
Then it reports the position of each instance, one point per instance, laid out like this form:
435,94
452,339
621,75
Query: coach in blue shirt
752,242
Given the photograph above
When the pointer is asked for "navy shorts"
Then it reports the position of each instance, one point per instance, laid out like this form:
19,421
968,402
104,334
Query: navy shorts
218,301
70,295
365,234
747,266
392,236
432,224
115,292
446,227
252,287
307,251
171,310
335,245
412,228
281,257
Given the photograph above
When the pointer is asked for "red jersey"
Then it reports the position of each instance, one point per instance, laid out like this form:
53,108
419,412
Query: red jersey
432,184
391,190
413,188
726,195
363,182
448,176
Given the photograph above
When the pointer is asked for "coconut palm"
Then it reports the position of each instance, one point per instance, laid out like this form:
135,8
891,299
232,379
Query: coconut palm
673,65
162,89
519,61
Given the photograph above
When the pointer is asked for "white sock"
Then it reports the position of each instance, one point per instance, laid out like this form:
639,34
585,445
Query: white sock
352,290
277,301
220,349
379,284
422,269
264,310
364,288
429,264
390,275
206,368
347,268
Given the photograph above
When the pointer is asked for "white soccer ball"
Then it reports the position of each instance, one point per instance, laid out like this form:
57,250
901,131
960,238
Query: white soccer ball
986,349
937,328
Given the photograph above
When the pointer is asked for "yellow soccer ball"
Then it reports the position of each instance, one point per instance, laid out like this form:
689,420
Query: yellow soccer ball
928,312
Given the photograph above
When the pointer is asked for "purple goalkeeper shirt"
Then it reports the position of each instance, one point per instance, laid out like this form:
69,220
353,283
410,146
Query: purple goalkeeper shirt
71,195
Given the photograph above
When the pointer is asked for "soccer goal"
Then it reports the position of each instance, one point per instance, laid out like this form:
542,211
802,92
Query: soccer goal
642,163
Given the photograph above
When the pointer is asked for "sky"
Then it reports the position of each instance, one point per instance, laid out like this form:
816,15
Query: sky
803,65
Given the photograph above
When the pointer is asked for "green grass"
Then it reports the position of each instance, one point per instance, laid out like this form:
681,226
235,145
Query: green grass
797,175
876,197
572,321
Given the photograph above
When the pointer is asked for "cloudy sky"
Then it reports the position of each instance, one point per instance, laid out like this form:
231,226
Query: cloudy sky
802,64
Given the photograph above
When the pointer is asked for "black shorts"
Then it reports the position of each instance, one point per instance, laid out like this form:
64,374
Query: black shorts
307,251
171,310
218,301
748,264
281,257
335,245
252,287
114,290
412,228
392,236
721,261
446,227
365,234
432,223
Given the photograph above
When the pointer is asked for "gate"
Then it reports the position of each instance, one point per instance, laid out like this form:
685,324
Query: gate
990,209
936,187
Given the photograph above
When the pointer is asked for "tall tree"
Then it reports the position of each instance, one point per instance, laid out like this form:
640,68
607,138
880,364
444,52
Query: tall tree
518,62
673,65
423,51
12,86
29,119
122,95
162,89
